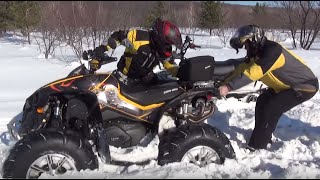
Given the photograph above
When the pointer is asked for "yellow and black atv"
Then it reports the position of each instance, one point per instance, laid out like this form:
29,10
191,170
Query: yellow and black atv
70,123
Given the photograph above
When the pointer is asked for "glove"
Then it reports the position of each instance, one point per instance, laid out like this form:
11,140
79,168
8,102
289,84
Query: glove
224,90
99,51
127,43
119,35
112,43
115,37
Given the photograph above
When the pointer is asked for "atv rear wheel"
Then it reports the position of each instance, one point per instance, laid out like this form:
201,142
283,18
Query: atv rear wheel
49,152
199,144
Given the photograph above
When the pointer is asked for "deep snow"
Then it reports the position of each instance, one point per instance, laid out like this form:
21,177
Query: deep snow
295,152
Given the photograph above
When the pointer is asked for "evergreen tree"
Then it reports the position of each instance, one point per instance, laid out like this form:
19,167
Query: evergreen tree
6,17
26,16
160,10
258,14
259,8
210,14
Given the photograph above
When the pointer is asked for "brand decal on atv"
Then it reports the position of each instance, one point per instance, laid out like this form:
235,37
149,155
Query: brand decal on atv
114,138
171,90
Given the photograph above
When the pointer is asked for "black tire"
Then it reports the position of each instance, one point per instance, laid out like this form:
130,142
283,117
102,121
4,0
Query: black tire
36,144
174,145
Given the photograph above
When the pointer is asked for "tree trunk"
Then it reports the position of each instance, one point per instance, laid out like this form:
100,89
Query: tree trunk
313,38
293,38
29,41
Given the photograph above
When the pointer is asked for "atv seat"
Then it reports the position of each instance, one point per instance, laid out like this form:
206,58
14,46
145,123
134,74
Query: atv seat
147,95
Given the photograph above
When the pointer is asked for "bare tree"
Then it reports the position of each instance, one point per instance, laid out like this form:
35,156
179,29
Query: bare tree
275,35
238,15
224,33
289,17
309,16
318,3
106,18
302,17
47,40
84,24
191,18
76,31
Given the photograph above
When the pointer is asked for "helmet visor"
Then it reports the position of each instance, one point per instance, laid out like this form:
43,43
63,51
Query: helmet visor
240,36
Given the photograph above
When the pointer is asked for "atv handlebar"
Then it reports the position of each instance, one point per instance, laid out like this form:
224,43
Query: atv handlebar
90,55
193,46
97,59
187,44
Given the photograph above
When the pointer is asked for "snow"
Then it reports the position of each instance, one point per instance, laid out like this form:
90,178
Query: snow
295,152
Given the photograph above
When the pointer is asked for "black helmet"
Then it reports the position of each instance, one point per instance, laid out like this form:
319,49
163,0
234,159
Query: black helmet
165,34
252,33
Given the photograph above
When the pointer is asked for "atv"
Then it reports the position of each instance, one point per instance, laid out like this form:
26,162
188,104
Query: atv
71,123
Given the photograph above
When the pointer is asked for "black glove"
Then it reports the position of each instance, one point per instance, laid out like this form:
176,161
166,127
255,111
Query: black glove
99,51
112,43
119,35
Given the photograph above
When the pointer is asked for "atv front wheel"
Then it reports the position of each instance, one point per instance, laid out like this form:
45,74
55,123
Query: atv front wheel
49,152
198,144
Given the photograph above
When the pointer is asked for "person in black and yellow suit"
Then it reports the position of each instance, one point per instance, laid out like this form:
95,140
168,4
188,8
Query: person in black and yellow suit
144,50
290,82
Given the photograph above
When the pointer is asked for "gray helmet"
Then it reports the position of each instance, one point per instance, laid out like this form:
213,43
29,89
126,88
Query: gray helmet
252,33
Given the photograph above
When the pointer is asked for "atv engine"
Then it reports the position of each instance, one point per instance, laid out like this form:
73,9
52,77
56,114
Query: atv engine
199,108
122,132
196,111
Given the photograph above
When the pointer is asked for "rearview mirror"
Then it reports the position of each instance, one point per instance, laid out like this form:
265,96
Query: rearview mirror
85,55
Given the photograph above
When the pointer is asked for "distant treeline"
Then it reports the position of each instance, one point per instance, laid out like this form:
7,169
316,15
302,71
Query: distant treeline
71,21
124,14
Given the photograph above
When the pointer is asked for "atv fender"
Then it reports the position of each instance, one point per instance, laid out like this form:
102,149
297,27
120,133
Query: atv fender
31,119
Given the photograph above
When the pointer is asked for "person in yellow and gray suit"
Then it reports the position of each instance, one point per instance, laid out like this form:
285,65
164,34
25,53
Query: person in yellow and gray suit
290,81
144,50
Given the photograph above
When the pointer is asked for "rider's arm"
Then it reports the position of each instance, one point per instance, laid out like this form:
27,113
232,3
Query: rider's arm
271,59
172,68
119,35
238,79
121,38
169,65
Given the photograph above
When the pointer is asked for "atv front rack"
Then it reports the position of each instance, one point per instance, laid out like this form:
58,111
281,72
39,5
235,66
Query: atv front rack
13,127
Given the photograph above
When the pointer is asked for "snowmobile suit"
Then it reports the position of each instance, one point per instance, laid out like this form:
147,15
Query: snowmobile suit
290,83
140,56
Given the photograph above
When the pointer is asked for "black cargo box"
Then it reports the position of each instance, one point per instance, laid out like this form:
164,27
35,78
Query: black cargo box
198,68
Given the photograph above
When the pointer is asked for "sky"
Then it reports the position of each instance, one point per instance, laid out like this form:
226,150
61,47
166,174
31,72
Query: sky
295,152
249,3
